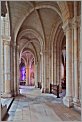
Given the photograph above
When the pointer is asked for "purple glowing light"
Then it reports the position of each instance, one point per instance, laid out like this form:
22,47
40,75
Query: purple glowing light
22,73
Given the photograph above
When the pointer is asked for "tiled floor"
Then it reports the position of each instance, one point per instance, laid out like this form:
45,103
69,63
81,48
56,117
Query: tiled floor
33,106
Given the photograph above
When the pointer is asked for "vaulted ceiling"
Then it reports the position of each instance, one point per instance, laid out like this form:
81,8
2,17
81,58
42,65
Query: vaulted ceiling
33,22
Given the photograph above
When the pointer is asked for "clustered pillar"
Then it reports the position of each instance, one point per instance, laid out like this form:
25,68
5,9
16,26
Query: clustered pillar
72,69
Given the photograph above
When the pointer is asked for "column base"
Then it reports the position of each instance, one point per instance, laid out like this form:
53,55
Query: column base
77,104
15,93
36,86
26,84
68,101
6,95
77,108
45,90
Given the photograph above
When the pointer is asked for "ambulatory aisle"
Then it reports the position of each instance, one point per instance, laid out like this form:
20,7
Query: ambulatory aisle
33,106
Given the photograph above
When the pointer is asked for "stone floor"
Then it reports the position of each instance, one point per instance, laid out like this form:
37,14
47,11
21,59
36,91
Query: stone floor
6,101
33,106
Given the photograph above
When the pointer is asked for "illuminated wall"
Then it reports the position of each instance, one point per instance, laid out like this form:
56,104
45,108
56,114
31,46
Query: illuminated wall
22,73
32,74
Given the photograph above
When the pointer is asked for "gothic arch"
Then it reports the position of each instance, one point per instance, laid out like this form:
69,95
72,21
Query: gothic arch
35,8
32,52
34,32
58,36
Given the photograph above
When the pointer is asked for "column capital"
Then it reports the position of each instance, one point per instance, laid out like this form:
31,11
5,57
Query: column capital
76,21
7,38
18,47
14,45
6,42
67,25
79,20
41,53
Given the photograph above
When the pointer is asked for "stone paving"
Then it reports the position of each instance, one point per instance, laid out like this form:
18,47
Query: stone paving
6,101
33,106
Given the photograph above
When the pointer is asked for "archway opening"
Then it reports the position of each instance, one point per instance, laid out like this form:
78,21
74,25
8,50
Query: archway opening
22,73
28,71
27,67
63,66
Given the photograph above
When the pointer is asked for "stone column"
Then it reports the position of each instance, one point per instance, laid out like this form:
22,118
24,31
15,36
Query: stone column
38,72
46,54
80,64
76,68
7,68
76,97
43,72
27,75
12,66
15,71
52,64
79,59
41,69
57,65
18,70
2,67
36,80
29,72
67,100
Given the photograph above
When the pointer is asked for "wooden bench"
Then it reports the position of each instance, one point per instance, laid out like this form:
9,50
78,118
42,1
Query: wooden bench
54,89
